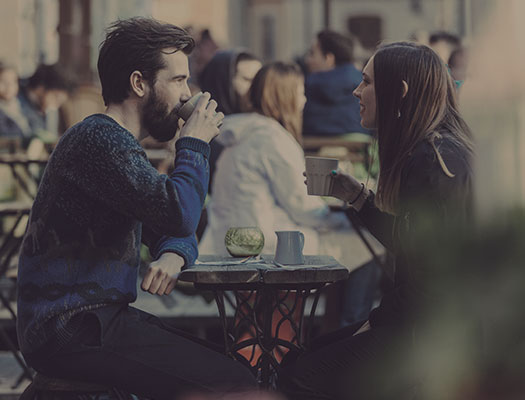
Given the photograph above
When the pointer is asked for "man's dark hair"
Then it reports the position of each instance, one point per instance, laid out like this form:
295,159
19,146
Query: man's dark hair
342,47
136,44
50,77
442,36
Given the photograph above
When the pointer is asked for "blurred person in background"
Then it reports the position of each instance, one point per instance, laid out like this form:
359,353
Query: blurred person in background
425,185
227,77
205,48
444,44
15,132
331,109
43,92
13,123
458,64
259,179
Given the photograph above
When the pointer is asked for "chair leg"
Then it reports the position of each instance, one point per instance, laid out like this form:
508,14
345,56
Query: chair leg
26,371
29,393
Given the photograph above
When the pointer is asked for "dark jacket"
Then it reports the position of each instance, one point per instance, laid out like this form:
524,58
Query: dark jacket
331,109
35,117
9,128
429,201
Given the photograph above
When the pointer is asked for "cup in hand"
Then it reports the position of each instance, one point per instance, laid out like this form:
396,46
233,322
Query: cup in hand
319,179
188,107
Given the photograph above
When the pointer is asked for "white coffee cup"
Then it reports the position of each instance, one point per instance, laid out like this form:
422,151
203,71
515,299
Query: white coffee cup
319,179
188,107
289,249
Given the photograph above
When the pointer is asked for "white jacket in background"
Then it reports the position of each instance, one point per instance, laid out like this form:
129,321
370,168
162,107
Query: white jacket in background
259,182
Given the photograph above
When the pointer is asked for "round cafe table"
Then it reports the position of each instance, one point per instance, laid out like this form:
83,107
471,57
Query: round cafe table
260,288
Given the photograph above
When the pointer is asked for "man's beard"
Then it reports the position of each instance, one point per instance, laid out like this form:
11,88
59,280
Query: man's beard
160,123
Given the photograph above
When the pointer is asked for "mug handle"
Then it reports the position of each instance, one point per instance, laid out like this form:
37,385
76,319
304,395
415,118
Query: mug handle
301,237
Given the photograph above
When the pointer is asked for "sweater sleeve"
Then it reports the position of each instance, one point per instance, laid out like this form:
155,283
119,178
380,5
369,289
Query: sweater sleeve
379,223
186,247
110,166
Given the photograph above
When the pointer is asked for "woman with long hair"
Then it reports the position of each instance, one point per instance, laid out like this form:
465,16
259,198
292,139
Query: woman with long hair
425,152
258,177
227,77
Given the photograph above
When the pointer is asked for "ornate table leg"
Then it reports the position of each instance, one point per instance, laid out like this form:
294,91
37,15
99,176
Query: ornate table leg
260,314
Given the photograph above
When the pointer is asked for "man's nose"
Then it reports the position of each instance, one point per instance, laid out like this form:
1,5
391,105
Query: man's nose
186,94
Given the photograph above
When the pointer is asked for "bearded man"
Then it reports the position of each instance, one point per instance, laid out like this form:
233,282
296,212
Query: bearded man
99,199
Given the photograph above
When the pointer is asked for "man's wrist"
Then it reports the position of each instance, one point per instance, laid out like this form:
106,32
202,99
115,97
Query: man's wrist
192,143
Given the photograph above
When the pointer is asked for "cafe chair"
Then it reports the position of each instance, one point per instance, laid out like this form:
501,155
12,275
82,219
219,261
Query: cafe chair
46,388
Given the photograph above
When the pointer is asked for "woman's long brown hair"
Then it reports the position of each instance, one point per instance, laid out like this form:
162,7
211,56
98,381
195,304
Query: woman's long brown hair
273,93
428,109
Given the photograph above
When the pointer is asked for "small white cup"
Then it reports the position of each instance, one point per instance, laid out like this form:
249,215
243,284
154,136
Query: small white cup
289,249
319,175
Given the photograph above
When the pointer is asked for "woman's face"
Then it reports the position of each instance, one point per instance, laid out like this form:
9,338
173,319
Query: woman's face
301,98
246,71
8,84
366,94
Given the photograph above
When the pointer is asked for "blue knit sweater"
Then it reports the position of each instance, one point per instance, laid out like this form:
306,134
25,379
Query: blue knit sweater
98,200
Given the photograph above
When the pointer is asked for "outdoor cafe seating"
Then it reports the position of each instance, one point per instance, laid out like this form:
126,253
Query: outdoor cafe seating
261,279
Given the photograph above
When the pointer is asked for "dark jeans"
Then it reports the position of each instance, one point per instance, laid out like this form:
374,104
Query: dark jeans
129,349
361,289
339,366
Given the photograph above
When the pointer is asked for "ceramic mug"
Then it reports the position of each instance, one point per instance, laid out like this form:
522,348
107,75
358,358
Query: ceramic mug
188,107
319,179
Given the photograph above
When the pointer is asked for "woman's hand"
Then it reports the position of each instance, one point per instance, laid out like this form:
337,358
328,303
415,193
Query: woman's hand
345,187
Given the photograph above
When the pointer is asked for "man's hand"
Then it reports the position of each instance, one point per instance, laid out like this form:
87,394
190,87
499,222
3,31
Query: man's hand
204,121
162,274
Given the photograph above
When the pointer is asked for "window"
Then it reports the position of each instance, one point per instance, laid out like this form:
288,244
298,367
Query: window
268,37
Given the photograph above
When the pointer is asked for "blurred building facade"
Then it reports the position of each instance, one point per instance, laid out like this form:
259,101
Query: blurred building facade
34,31
281,29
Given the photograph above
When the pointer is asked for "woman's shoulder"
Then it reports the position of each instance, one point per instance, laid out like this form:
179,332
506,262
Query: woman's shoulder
429,150
441,159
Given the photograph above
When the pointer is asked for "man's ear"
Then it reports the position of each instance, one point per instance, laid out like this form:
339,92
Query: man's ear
405,89
137,83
